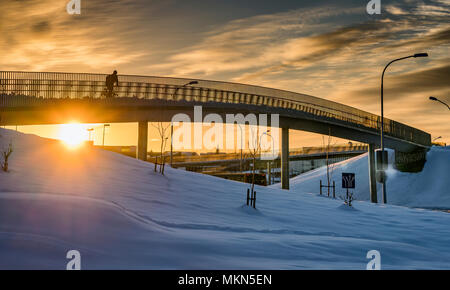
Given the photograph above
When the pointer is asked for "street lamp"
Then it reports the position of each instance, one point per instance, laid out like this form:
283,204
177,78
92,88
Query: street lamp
273,141
104,127
180,87
240,162
384,158
273,152
437,100
171,125
90,131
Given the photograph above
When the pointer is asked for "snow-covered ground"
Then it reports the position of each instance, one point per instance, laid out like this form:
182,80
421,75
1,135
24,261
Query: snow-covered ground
429,188
121,215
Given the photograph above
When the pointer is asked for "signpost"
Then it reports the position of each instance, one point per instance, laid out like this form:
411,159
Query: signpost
348,181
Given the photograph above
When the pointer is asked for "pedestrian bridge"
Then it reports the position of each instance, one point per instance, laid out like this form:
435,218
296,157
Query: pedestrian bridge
30,98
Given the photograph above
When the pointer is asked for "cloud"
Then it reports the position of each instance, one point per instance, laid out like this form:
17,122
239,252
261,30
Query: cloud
263,47
402,86
406,98
392,9
333,50
336,62
41,35
252,42
41,26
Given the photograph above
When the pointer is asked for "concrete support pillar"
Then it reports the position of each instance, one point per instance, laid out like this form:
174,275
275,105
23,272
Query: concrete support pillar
285,158
142,140
372,174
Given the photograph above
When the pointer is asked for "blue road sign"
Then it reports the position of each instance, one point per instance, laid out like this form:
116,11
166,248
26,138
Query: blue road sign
348,180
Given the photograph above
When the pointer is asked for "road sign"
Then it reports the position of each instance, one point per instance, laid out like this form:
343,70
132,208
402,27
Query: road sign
382,159
348,180
381,176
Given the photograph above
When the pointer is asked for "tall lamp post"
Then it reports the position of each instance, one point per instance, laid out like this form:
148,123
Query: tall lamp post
273,152
90,132
383,159
104,127
240,161
273,141
171,125
437,100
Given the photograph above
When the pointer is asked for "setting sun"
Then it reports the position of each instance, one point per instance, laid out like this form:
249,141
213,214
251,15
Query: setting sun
73,134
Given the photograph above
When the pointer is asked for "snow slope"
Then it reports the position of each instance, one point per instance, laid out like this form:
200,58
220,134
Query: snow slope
121,215
429,188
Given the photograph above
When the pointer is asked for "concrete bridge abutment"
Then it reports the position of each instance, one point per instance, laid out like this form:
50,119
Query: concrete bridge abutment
141,151
372,174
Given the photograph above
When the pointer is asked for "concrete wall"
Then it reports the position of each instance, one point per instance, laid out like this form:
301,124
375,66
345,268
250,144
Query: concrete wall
410,161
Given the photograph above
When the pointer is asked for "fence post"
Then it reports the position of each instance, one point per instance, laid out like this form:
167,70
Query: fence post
334,189
254,200
248,195
321,187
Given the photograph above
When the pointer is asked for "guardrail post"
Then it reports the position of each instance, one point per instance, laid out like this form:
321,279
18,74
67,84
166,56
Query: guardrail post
334,189
248,195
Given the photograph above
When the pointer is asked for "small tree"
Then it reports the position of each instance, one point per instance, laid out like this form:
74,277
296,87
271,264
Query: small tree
163,134
5,156
253,152
348,199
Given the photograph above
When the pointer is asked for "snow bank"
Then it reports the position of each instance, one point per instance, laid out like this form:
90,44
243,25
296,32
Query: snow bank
427,189
121,215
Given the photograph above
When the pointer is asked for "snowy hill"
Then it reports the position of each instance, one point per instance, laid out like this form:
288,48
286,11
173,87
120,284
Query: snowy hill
429,188
121,215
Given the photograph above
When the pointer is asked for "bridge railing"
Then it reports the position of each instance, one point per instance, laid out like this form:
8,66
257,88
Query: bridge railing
32,88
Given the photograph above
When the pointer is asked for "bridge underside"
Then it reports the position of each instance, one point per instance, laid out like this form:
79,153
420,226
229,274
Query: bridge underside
55,98
87,112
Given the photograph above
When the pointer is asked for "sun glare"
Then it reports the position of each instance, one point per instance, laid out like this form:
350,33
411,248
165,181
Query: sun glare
73,134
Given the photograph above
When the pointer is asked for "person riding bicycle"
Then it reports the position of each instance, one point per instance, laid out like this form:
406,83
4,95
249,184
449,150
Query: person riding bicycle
110,81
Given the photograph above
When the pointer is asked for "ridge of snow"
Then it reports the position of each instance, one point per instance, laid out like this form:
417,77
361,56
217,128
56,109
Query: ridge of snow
120,214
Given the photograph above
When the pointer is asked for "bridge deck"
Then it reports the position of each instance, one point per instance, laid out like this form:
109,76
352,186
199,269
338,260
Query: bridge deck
34,91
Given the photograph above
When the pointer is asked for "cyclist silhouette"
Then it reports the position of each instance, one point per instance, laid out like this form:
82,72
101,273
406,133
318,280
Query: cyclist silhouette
110,81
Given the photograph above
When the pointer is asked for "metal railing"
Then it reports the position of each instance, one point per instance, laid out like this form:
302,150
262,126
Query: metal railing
18,89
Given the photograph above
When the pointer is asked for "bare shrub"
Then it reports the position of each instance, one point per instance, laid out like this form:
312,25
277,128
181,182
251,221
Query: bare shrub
6,153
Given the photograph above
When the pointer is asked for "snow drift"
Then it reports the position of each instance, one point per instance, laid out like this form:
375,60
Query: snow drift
429,188
119,214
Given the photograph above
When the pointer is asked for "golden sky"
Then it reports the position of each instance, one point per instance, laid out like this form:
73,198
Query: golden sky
329,49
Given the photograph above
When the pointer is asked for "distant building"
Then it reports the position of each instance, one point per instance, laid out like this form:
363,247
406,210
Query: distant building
125,150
